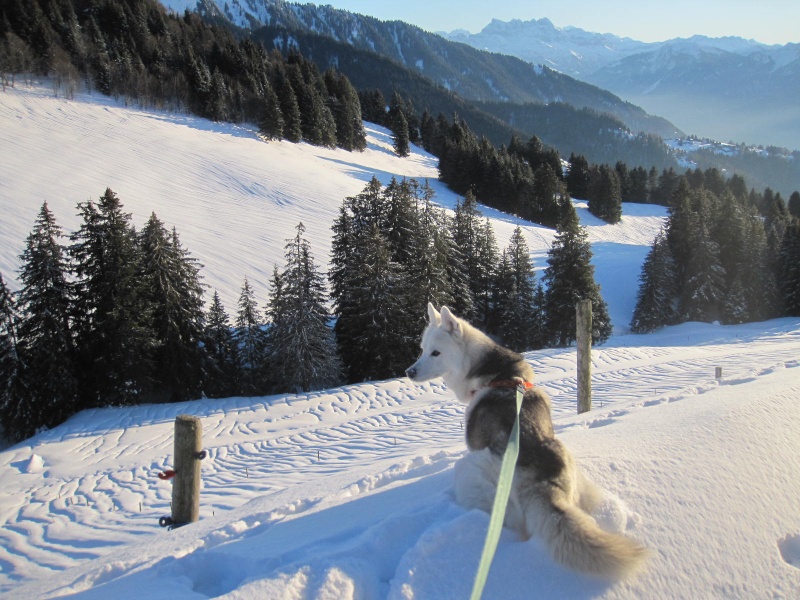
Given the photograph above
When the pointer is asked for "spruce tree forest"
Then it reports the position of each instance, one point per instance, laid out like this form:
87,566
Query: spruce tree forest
126,311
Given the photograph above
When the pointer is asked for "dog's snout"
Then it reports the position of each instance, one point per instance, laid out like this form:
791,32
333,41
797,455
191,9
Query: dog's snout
411,372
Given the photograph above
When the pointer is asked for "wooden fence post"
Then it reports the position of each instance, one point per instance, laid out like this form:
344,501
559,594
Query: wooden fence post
186,484
583,319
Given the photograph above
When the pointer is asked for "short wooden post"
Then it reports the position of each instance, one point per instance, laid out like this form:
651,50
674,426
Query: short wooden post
186,484
718,372
583,339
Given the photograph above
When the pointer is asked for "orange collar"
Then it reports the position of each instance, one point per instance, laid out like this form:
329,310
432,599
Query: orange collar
511,383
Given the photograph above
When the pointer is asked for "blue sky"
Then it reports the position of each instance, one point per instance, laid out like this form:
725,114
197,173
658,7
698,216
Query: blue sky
767,21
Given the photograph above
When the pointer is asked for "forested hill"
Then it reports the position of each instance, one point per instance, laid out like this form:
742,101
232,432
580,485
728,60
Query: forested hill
491,92
472,74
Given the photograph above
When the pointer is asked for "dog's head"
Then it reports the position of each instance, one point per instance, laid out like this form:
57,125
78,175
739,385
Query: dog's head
442,346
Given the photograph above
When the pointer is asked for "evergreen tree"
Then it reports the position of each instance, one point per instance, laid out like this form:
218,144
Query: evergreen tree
382,345
794,205
45,340
370,289
605,195
290,110
400,219
113,320
625,183
543,197
578,177
220,350
518,314
789,269
656,297
14,417
301,347
467,227
704,287
487,261
759,284
342,276
346,110
679,224
429,265
250,343
569,277
270,123
175,295
638,186
400,134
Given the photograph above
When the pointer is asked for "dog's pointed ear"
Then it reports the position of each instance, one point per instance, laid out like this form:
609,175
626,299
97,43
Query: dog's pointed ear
451,323
433,314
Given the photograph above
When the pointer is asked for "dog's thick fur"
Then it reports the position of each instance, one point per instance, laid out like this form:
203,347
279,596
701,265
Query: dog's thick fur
550,497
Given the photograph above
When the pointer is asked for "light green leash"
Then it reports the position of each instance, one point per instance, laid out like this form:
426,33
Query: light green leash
499,505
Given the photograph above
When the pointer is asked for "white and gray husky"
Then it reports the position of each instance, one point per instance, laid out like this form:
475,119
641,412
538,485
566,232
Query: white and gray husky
550,497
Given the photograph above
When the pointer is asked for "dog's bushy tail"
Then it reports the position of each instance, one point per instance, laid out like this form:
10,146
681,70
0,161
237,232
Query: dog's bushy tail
577,541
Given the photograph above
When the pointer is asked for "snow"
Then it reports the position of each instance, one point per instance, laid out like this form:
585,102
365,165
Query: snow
348,493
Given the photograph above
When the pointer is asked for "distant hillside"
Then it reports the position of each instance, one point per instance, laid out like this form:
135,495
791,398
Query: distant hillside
600,137
727,88
727,95
472,74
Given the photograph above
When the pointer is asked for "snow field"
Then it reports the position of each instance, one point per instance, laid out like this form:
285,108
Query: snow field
347,493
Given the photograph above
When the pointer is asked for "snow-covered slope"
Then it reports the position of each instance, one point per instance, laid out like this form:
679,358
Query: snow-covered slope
234,199
347,493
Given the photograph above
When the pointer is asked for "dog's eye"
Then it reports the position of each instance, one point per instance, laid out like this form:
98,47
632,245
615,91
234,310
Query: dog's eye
435,353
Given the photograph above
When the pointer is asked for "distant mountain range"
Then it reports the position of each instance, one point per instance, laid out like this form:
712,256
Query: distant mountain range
727,88
470,73
541,94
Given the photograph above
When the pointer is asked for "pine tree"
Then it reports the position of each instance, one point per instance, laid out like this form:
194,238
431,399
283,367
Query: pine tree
220,350
175,296
363,272
400,134
14,417
656,297
759,284
578,177
250,343
290,110
113,321
429,265
383,346
487,261
518,315
704,287
543,196
569,277
45,339
789,269
605,195
270,123
346,110
301,347
467,229
794,205
400,222
679,224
